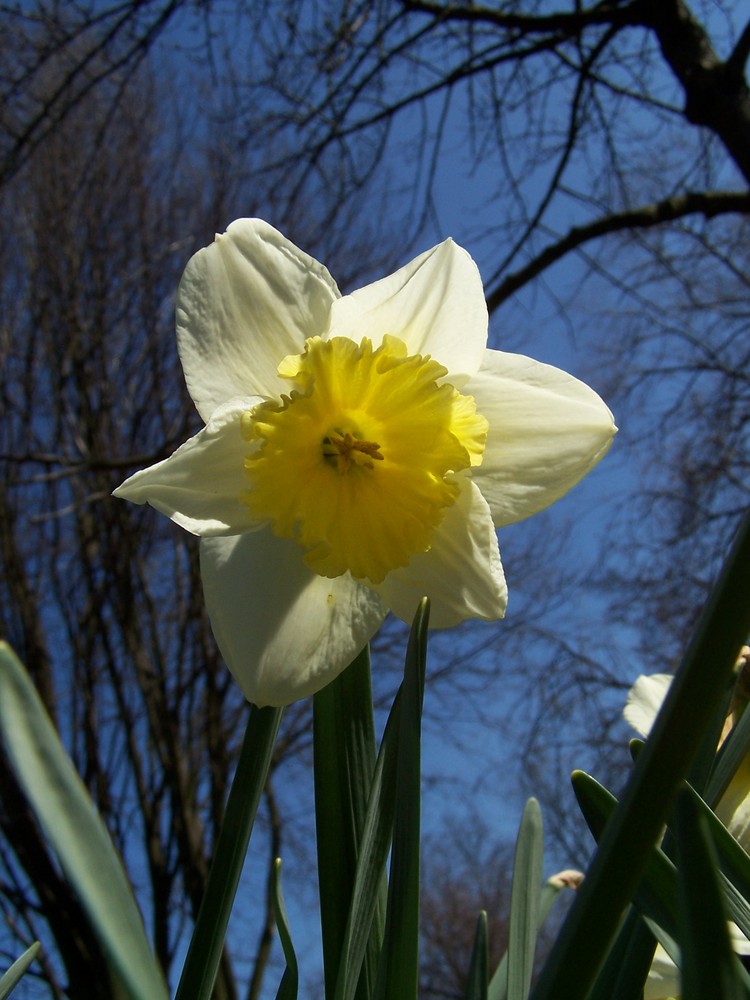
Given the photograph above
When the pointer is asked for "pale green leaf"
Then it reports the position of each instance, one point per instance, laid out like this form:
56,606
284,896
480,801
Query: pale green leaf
73,827
13,976
524,902
289,985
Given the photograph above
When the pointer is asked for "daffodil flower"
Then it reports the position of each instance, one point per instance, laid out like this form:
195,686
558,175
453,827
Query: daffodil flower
641,708
358,452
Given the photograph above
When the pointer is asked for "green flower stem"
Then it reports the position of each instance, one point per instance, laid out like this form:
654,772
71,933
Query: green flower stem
207,943
366,920
344,761
693,698
398,969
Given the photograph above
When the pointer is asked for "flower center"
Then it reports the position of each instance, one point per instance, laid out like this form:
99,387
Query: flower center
341,448
359,461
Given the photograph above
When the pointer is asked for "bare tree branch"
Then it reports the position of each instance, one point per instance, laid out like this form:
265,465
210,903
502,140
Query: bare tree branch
609,12
716,94
738,58
708,204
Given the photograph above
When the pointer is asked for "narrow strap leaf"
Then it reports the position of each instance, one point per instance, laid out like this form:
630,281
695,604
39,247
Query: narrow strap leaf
709,966
364,924
704,762
524,901
207,942
289,985
628,963
476,987
344,761
73,826
657,895
733,862
625,847
12,977
398,971
498,988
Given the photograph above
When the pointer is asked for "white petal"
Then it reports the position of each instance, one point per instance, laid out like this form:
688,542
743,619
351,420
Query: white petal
740,943
663,980
283,631
435,304
547,430
644,701
461,574
244,303
201,485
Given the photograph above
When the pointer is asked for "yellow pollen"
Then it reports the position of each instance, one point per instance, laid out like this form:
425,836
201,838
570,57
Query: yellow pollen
359,462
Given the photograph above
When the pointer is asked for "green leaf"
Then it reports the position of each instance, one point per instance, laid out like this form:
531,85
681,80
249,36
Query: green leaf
289,985
369,880
704,761
373,853
344,761
207,942
73,827
657,896
659,886
734,863
627,965
524,902
11,978
737,905
476,987
498,988
693,698
709,966
398,971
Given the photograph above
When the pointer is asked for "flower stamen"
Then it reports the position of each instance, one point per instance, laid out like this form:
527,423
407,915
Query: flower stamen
341,449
